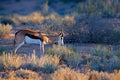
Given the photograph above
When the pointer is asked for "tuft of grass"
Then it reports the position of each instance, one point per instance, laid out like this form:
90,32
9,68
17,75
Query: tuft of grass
9,61
67,55
68,74
59,50
43,60
4,30
62,51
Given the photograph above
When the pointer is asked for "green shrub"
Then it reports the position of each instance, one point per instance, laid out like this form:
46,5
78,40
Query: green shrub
31,66
48,68
61,51
2,49
104,59
102,51
26,74
6,21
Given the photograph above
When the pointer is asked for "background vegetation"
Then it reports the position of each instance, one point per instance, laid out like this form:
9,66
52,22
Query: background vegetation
90,21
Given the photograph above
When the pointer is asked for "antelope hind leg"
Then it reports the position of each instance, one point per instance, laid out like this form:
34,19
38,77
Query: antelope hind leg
18,46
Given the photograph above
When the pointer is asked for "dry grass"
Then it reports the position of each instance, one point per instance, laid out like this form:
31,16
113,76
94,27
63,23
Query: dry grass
95,75
52,20
75,66
60,74
9,61
5,30
35,17
68,74
21,75
43,60
48,67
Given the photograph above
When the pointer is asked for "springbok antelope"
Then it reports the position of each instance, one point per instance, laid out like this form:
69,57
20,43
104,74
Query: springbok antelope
24,36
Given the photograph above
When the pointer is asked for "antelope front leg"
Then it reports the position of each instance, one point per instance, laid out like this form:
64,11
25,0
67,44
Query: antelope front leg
42,48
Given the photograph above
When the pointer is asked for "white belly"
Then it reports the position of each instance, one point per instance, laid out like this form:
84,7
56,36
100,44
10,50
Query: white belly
30,40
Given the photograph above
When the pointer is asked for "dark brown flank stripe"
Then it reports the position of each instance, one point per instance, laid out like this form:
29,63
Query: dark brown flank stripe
33,36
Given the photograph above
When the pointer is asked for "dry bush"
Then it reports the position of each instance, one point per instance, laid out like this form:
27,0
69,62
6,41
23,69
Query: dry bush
116,75
67,55
27,74
10,61
68,74
104,75
43,60
35,17
46,63
21,75
63,52
4,30
57,20
51,22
